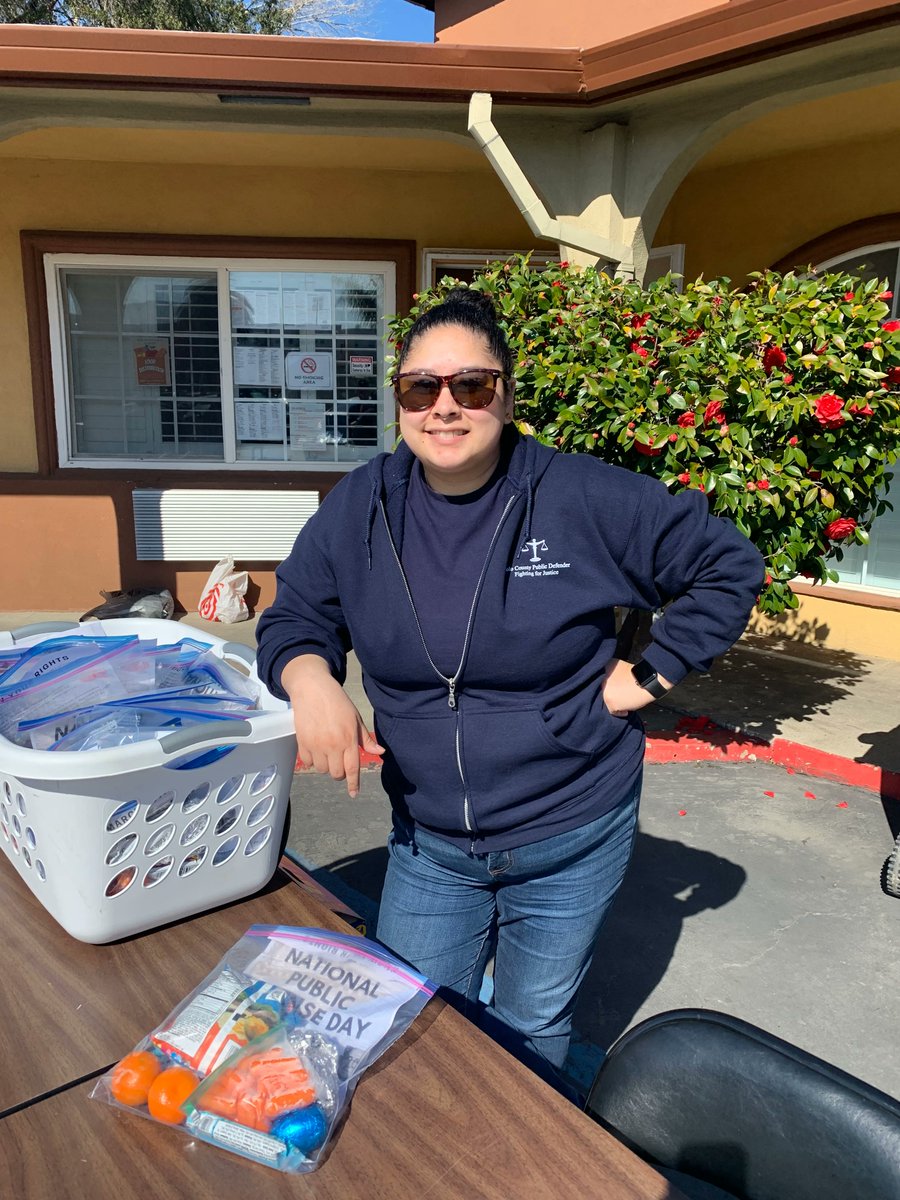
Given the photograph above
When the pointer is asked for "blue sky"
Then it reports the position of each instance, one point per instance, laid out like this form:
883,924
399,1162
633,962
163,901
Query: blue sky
400,21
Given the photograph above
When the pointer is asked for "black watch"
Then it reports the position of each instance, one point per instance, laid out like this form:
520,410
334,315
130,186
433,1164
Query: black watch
648,679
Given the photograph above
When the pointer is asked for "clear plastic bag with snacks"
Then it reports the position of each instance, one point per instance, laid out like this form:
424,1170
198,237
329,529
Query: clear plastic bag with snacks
262,1058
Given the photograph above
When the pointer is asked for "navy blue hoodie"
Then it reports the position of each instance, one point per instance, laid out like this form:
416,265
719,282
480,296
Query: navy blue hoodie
518,745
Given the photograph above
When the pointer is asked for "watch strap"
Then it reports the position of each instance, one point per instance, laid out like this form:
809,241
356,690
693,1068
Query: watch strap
645,675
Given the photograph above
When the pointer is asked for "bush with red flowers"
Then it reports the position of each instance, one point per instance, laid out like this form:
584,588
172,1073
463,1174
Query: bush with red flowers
779,400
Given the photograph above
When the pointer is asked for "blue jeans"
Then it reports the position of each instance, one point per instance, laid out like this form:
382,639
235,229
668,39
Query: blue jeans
538,909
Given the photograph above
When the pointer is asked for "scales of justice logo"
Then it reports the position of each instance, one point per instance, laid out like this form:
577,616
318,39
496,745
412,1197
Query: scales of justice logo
536,565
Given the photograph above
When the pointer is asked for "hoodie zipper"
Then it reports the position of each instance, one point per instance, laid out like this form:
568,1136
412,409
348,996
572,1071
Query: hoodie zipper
451,681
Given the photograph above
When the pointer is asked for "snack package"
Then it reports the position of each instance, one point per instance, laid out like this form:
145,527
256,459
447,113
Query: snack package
262,1058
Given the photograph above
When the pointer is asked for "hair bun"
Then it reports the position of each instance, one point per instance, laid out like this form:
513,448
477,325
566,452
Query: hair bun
467,297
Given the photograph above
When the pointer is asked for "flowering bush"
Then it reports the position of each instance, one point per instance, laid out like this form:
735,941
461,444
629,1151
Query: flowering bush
780,401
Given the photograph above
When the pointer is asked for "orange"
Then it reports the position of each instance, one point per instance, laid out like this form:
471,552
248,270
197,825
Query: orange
168,1093
132,1077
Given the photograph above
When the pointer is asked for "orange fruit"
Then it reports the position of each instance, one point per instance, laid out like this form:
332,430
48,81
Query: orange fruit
132,1077
168,1092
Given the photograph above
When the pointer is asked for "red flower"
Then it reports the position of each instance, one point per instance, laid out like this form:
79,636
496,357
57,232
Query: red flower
673,437
557,283
687,419
700,487
849,296
648,449
815,475
684,477
763,484
559,320
828,411
641,321
639,350
691,336
564,263
773,358
717,301
885,295
787,379
714,412
891,326
793,441
861,410
868,345
768,578
839,529
893,374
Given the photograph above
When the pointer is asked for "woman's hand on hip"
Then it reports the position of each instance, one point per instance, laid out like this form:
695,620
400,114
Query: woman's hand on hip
622,693
329,728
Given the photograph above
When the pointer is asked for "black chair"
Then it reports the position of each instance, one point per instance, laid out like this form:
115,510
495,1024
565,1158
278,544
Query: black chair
717,1100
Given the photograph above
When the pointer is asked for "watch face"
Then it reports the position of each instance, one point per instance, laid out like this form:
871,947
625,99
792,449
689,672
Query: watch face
643,673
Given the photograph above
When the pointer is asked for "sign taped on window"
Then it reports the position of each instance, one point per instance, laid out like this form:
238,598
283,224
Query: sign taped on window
307,424
361,365
305,369
259,420
151,364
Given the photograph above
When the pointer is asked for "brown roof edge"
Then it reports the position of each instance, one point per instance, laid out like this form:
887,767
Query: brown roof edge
731,35
44,55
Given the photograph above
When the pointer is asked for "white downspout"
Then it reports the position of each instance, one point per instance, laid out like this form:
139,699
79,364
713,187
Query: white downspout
529,202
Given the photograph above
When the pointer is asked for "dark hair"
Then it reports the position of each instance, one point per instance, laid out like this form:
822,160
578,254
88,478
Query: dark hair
470,309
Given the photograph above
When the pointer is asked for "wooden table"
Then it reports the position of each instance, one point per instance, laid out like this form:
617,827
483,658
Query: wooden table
69,1009
445,1113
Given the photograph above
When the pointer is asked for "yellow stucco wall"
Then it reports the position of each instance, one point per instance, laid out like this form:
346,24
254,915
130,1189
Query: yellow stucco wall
743,216
818,621
459,207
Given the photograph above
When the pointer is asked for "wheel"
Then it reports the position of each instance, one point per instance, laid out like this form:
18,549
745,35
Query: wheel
892,871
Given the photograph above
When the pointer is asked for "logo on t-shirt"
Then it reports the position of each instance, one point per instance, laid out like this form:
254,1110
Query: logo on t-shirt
537,564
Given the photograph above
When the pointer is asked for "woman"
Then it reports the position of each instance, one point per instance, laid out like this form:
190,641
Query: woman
475,573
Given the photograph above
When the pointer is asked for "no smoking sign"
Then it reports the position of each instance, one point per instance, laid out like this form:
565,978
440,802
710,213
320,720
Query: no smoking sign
303,370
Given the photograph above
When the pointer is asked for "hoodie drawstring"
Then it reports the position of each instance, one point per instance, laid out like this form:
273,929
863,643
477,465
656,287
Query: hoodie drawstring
370,520
529,499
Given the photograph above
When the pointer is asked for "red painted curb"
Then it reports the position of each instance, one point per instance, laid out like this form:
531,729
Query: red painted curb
700,739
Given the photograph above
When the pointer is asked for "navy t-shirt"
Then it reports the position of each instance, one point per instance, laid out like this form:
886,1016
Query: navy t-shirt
445,543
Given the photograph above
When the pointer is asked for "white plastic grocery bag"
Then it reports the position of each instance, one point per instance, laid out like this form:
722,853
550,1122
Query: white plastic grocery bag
223,594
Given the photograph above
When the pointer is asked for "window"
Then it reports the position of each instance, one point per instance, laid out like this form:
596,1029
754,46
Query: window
665,259
196,361
466,264
877,565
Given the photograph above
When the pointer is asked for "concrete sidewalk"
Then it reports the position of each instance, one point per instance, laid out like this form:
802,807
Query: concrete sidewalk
755,885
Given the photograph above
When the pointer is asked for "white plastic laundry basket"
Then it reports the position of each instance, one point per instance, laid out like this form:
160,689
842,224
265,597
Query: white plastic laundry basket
113,842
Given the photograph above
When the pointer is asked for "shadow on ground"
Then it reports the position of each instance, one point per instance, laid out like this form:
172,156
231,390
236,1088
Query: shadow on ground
667,883
762,683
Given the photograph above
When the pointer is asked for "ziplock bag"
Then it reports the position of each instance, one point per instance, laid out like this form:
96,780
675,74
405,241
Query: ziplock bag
262,1058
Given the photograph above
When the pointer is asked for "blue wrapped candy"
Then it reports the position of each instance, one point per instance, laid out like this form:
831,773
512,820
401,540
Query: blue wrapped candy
303,1129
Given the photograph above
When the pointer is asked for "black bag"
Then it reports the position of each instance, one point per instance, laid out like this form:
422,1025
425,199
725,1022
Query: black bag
153,603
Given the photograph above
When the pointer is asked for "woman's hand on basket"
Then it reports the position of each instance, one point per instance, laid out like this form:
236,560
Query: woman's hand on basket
330,730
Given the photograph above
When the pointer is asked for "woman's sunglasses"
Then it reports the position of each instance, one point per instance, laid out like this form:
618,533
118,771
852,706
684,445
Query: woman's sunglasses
475,388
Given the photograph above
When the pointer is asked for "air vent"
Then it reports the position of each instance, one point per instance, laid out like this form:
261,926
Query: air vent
200,524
